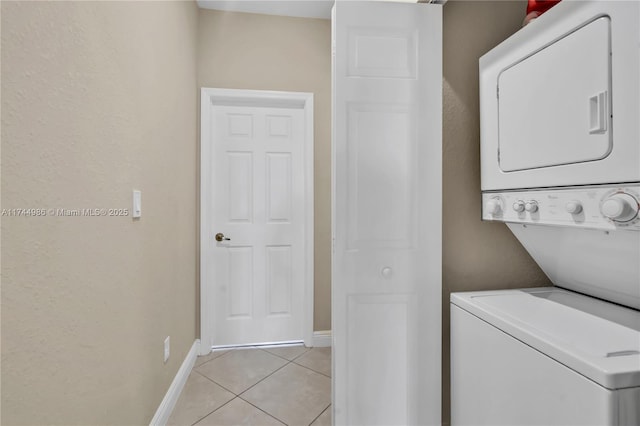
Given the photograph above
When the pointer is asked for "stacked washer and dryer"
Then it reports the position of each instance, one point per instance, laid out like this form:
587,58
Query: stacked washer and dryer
560,157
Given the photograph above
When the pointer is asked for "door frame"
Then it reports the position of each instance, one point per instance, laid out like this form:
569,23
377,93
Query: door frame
253,98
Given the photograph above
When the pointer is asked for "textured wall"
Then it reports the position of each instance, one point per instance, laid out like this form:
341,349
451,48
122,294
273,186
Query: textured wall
98,98
250,51
476,255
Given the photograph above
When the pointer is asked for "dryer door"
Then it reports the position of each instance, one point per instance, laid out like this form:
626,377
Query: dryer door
554,106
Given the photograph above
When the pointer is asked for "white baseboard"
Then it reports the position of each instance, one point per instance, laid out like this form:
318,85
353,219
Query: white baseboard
173,393
322,339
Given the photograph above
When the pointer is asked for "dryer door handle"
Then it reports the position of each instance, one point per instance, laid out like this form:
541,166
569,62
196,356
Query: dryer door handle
598,113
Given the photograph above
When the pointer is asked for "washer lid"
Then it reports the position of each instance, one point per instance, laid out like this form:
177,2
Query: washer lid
599,340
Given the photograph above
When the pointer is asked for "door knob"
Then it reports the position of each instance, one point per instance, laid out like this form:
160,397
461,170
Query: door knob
220,237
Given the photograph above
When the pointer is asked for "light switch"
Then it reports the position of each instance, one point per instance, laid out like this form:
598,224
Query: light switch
137,204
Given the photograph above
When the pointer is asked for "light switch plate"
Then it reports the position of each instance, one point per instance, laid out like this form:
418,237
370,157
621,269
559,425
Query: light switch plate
167,348
136,212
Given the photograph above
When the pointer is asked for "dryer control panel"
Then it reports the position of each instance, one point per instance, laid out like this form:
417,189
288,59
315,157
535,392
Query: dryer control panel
607,207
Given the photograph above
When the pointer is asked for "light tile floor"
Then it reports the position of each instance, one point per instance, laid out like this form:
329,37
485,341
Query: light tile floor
271,386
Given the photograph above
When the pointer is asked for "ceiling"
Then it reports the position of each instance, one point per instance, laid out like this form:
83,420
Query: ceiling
299,8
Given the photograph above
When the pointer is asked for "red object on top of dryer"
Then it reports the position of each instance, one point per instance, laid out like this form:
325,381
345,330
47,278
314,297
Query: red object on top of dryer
540,6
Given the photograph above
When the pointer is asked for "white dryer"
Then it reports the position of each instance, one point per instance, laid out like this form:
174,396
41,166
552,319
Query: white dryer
559,100
560,153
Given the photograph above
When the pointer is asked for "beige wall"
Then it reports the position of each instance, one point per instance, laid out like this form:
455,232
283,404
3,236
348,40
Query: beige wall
250,51
476,255
98,98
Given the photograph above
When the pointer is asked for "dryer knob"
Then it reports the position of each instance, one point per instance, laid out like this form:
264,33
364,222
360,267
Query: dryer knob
620,207
573,207
493,206
518,206
531,206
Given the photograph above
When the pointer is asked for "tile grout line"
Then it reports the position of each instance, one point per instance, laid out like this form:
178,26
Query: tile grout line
202,418
266,377
263,379
239,395
235,395
193,370
267,413
212,359
297,358
309,368
218,384
229,390
275,371
321,413
288,362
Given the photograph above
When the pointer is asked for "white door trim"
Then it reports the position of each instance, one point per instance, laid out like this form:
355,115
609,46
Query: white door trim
255,98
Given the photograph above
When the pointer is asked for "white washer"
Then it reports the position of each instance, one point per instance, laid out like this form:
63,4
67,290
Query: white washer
560,157
543,356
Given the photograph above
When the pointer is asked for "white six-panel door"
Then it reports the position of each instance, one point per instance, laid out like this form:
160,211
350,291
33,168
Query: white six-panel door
256,197
386,287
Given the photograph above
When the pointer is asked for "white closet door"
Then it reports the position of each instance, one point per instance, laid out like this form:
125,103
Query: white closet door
387,147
